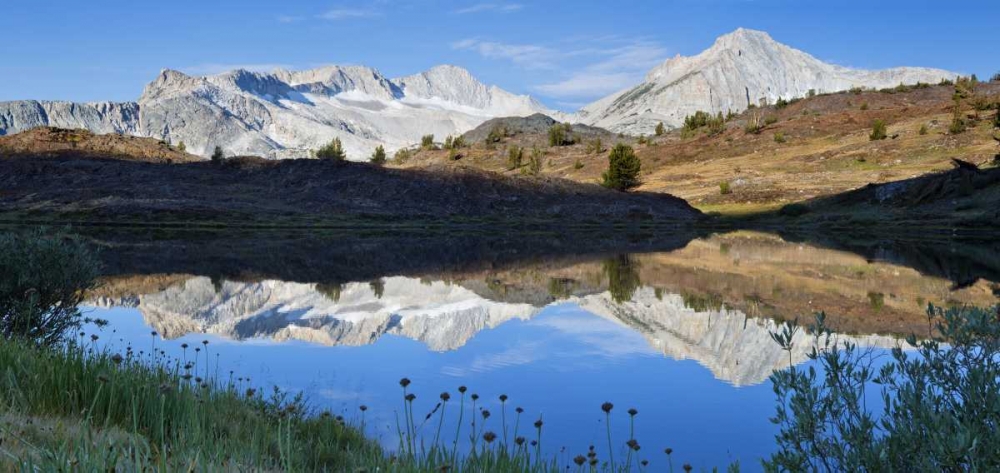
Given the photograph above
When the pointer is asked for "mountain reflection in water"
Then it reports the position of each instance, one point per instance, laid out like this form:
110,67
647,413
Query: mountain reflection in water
677,326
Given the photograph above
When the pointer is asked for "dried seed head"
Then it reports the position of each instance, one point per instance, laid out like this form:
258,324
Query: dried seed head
117,359
404,382
475,397
593,462
251,392
607,406
579,460
184,346
644,463
632,412
462,389
489,437
410,397
633,444
519,410
503,398
519,441
445,396
686,467
538,424
363,407
668,451
486,414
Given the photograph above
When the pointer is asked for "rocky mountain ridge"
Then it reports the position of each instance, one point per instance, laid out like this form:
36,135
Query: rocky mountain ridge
742,69
286,114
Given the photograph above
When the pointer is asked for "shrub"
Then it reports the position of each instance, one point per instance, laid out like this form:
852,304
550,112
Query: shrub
857,90
595,146
333,151
754,124
623,169
779,137
453,154
660,129
879,131
923,129
771,120
514,157
864,106
996,118
42,280
811,93
427,142
781,103
561,134
218,155
940,407
958,124
378,157
402,156
696,121
497,134
182,147
643,140
578,165
535,162
725,188
448,142
716,125
995,77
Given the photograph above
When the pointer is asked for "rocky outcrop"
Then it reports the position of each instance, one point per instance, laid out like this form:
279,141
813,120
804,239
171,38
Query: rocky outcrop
742,68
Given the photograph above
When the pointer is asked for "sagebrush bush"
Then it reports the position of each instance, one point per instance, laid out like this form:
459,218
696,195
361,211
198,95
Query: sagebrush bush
940,404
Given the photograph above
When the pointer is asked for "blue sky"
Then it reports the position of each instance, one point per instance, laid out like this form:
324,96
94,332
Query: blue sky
565,53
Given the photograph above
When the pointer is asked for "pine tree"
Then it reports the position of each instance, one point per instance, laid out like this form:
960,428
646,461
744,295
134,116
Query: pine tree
333,151
660,129
378,157
623,169
218,155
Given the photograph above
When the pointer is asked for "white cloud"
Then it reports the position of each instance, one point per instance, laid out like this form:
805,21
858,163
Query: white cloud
343,13
583,69
585,84
218,68
494,7
529,56
618,68
289,19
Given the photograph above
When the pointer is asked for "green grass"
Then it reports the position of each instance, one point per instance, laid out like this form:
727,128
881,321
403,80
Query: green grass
99,412
75,408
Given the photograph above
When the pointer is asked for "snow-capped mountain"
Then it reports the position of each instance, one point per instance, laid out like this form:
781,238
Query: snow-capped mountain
742,68
287,113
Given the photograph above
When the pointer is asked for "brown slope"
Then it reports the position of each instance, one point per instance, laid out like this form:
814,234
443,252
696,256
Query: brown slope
50,141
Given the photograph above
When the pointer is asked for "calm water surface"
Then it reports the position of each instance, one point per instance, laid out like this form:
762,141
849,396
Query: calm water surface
681,335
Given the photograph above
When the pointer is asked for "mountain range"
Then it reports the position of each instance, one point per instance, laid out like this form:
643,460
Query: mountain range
286,114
